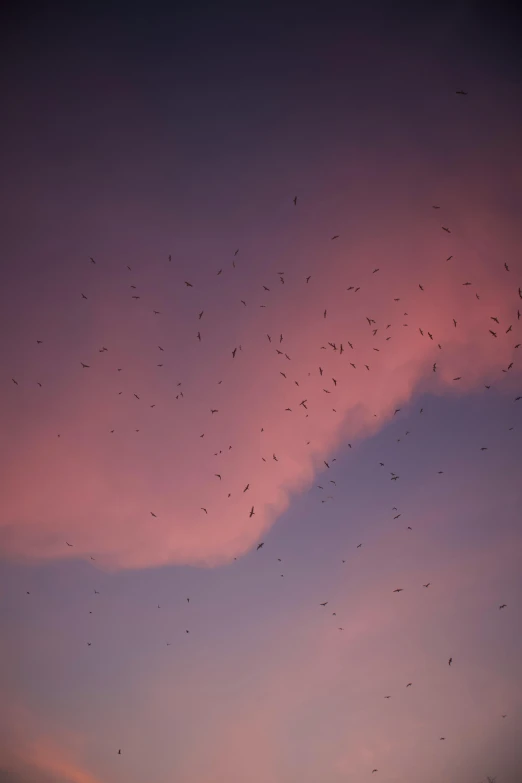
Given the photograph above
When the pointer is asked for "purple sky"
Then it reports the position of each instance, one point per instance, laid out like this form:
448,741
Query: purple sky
168,146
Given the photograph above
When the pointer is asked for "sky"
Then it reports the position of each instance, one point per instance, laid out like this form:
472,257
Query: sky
260,326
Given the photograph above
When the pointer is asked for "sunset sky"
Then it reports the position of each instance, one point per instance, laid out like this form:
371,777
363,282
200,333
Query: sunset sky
338,383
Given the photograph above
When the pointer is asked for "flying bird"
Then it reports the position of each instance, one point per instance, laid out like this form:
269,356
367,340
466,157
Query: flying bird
260,545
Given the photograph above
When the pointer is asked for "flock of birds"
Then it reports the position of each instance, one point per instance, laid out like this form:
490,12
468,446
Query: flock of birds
331,346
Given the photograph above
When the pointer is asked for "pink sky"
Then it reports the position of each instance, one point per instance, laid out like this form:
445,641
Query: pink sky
133,137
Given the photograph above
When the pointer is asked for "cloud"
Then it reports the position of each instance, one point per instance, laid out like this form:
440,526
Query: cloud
97,489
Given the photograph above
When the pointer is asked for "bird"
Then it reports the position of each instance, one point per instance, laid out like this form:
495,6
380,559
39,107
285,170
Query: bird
189,285
68,543
85,366
119,753
502,606
398,590
409,684
427,584
460,92
260,545
152,514
251,512
444,228
450,661
336,236
295,201
375,770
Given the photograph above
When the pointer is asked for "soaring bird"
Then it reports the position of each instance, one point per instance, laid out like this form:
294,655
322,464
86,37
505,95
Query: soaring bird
68,543
323,604
502,606
449,662
399,590
446,229
251,512
189,285
336,236
85,366
260,545
427,584
460,92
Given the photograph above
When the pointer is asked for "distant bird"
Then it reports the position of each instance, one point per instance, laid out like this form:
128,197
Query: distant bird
189,285
398,590
119,753
460,92
408,685
387,697
336,236
443,738
308,278
83,296
152,514
375,770
502,606
450,661
359,546
506,267
85,366
295,201
15,382
427,584
446,229
204,509
260,545
68,543
323,604
251,512
214,410
435,206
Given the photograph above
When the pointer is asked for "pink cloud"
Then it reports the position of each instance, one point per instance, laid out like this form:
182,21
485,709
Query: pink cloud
97,490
